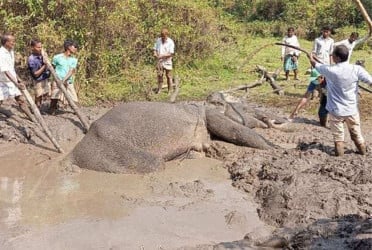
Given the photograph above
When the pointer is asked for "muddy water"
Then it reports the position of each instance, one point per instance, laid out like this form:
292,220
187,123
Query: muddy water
191,202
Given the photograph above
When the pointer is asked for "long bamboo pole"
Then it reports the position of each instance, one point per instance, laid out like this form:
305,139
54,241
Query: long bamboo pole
40,119
62,87
364,14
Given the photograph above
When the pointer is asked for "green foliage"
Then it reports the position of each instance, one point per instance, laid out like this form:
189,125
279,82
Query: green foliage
212,37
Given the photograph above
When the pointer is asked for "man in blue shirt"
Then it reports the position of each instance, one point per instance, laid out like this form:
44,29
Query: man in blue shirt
342,97
39,72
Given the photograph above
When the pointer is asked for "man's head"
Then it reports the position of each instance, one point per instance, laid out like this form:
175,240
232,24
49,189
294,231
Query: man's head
36,46
8,41
164,34
290,31
340,53
70,46
326,31
353,37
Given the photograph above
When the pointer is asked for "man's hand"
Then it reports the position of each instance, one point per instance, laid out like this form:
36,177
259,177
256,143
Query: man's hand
21,85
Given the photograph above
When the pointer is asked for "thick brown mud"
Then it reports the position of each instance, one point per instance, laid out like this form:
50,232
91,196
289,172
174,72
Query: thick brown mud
296,196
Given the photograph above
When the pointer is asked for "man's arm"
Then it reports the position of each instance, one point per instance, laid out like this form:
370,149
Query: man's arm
364,76
36,72
16,80
363,39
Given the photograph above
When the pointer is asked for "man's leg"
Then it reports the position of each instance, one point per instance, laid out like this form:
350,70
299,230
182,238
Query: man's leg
168,74
353,124
295,72
53,106
160,72
24,107
38,94
336,124
322,111
38,101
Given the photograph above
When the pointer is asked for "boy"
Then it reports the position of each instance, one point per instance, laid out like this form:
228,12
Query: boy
317,81
323,46
289,55
65,65
39,72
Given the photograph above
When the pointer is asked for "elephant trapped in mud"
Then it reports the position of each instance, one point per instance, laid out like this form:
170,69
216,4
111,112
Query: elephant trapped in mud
139,137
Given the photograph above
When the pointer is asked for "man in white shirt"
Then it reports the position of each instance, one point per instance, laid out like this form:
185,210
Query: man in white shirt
342,97
323,46
10,83
163,52
290,55
352,42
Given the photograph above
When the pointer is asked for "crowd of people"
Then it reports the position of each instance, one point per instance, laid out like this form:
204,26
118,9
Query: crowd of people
11,85
65,65
336,80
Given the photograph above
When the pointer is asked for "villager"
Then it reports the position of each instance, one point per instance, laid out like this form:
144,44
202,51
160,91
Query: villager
323,46
10,83
65,65
163,51
290,55
352,42
342,97
39,73
317,82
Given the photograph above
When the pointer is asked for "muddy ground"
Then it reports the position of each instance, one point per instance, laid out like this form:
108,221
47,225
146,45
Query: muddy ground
296,196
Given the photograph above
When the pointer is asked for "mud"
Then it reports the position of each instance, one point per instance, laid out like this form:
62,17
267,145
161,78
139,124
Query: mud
295,196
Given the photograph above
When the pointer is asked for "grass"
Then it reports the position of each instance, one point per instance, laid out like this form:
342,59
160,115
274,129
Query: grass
230,66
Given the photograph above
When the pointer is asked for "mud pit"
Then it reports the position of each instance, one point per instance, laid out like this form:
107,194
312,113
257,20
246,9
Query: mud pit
297,196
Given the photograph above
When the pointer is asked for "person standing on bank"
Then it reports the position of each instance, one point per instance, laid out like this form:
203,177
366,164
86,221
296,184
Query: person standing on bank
342,97
323,46
39,72
289,55
352,42
163,51
10,83
65,65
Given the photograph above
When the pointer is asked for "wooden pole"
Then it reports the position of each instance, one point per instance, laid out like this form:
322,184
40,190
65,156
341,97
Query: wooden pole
364,14
40,119
62,87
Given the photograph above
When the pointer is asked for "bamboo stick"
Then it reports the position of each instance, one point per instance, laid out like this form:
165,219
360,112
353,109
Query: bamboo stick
40,119
62,87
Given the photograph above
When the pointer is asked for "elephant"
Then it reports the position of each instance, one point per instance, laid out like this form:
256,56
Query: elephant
138,137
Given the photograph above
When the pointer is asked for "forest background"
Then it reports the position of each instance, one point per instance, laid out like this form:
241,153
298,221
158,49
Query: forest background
218,42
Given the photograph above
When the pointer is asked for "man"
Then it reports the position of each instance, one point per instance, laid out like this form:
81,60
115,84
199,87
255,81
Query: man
39,72
65,65
342,97
323,46
163,52
289,55
352,42
10,83
317,81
